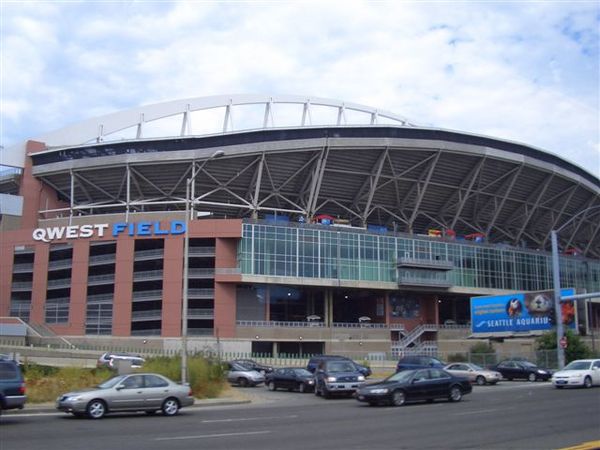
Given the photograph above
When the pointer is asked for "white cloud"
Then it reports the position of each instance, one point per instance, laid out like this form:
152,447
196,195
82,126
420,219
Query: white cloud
522,71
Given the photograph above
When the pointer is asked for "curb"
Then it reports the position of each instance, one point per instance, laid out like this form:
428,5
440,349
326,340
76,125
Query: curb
47,408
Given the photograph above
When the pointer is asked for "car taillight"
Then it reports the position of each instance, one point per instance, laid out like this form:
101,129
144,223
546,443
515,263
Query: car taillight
22,389
190,392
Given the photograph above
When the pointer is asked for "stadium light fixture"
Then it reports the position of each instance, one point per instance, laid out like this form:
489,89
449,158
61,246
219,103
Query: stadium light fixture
186,269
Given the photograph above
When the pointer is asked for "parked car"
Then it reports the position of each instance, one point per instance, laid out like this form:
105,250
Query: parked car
253,365
314,362
337,376
149,392
109,359
415,385
580,373
418,362
290,378
474,373
521,369
12,385
242,376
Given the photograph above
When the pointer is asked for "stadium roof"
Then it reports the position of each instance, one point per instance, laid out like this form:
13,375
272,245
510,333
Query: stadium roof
360,164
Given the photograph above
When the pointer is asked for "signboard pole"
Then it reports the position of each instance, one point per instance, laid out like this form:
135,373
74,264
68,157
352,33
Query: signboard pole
560,351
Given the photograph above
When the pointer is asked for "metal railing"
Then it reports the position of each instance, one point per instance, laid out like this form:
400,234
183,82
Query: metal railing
201,313
62,283
148,275
228,271
98,259
275,323
138,296
201,272
151,314
358,325
60,264
101,279
202,251
22,285
23,267
201,293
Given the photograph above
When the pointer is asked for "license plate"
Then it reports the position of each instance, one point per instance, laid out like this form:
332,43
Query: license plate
561,382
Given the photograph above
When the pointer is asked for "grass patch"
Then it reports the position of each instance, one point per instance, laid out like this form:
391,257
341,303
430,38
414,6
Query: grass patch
46,383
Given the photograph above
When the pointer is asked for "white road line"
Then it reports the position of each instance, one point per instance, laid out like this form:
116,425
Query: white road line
481,411
249,418
202,436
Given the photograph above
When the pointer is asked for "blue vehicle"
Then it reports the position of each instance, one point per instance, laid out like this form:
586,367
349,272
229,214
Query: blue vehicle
12,385
418,362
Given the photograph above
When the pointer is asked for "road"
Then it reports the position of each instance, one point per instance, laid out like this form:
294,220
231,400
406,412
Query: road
511,415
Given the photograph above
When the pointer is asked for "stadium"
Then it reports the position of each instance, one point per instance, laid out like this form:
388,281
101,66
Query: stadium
283,224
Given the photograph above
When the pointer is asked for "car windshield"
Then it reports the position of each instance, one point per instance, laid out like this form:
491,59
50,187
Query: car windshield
111,382
341,366
577,365
238,367
302,372
401,376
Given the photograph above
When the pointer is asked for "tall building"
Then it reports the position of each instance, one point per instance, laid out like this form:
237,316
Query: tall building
312,225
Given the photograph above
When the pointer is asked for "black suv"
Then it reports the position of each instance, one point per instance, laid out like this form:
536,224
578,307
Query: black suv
337,376
314,362
12,385
418,362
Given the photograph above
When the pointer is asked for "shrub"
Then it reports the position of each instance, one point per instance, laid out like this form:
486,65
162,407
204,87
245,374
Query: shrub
456,357
576,348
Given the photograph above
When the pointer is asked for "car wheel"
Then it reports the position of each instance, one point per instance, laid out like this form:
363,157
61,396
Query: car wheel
170,407
480,380
96,409
271,386
587,382
243,382
455,394
302,388
317,391
532,377
372,403
398,398
325,393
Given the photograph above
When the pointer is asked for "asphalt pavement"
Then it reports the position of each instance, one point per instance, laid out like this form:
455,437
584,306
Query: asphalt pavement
511,415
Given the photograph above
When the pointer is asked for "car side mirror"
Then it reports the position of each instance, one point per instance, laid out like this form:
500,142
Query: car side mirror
120,386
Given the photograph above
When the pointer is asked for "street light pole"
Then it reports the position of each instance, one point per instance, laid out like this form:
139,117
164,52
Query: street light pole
560,352
186,270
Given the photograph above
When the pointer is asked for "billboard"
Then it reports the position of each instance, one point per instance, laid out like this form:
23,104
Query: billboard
520,313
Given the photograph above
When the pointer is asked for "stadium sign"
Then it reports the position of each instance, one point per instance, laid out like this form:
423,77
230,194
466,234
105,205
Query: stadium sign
50,234
519,313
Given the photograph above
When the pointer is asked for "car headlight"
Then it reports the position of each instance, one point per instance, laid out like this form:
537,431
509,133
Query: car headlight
310,381
361,378
331,379
379,391
542,372
577,375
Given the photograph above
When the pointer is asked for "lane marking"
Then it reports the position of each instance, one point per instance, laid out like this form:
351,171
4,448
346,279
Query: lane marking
590,445
202,436
481,411
246,419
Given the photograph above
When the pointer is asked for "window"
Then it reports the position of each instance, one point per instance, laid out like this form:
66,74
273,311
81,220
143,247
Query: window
134,382
152,381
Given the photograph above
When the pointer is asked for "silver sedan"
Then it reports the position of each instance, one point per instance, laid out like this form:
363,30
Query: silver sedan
474,373
147,392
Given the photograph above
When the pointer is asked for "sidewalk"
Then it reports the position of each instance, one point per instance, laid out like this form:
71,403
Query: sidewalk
48,407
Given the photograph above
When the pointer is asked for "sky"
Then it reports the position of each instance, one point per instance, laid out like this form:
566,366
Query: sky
522,71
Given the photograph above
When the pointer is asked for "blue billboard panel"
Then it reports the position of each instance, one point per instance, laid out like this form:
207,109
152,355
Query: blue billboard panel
522,312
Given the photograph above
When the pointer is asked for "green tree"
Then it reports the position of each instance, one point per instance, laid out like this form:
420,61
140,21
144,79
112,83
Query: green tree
576,348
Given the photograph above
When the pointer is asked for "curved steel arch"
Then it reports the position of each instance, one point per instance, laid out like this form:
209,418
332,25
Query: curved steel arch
98,127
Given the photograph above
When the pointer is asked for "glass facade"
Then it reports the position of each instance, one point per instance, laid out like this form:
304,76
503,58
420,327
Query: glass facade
313,251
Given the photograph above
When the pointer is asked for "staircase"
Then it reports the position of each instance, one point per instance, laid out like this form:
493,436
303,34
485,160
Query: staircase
412,341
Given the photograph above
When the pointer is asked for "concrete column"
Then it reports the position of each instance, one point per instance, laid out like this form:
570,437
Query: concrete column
79,278
172,288
123,287
40,283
